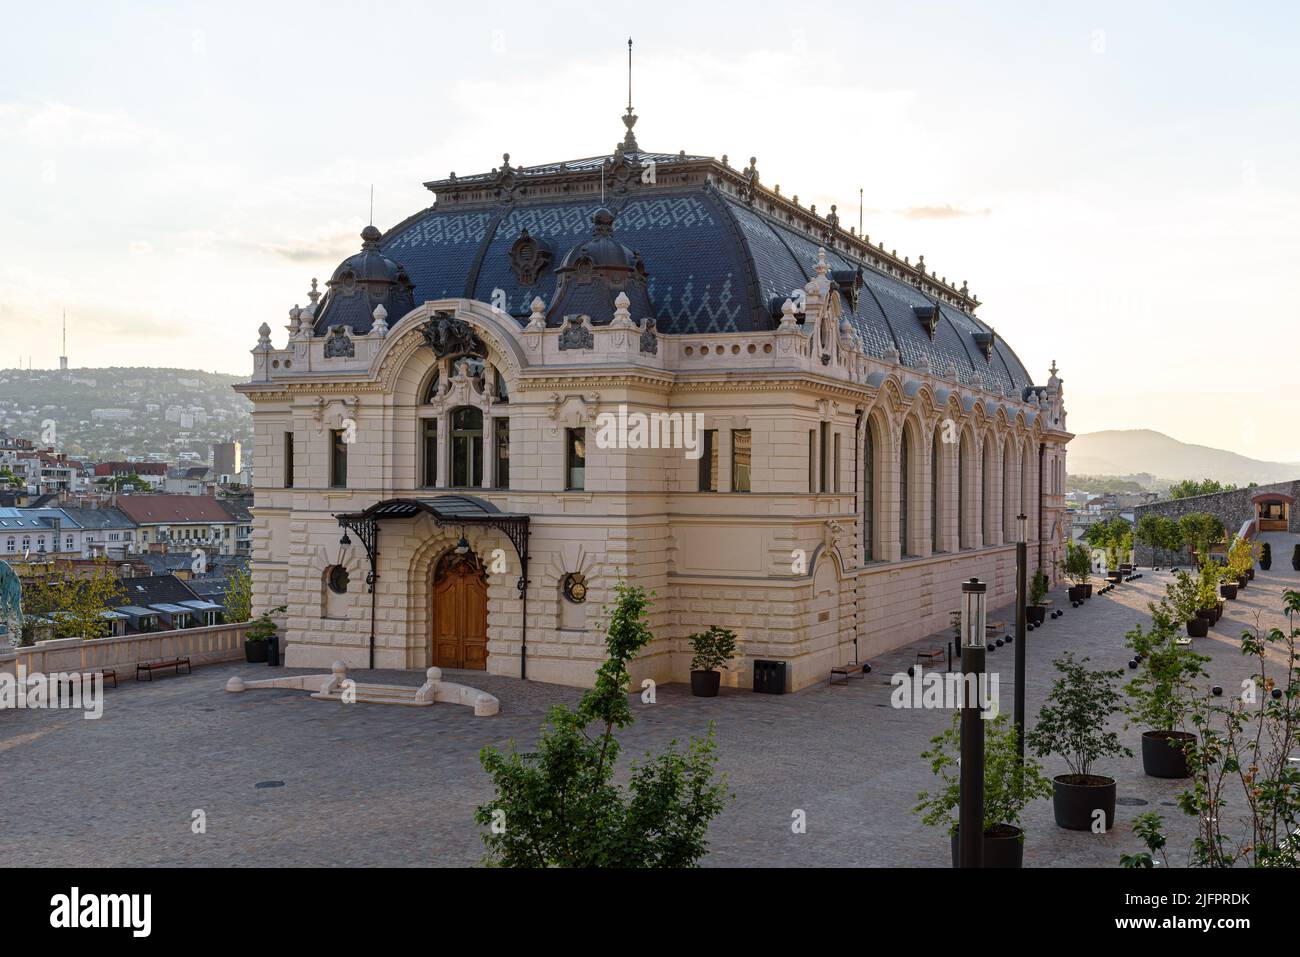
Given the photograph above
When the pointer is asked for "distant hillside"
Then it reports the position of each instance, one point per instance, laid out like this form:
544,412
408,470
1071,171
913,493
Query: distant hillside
1129,451
171,415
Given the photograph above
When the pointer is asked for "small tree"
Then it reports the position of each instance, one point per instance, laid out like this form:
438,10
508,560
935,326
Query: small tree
238,598
1242,767
1208,585
265,628
1162,691
1071,723
1077,566
1038,587
558,806
713,648
1184,596
75,604
1149,532
1008,784
1200,531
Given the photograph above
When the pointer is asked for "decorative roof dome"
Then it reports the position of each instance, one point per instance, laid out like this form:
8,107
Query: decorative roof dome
595,271
361,283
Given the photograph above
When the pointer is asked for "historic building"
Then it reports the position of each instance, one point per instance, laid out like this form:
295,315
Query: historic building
648,365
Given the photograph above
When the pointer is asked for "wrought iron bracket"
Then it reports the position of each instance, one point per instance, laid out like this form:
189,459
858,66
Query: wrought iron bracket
367,529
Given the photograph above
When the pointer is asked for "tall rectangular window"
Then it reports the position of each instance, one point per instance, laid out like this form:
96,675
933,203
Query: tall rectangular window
288,460
428,452
338,459
467,447
709,462
740,456
812,461
575,458
501,470
835,464
825,456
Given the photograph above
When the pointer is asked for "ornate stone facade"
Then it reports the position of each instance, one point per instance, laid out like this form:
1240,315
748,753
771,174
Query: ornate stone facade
842,499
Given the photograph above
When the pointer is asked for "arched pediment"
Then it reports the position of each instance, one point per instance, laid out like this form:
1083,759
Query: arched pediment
490,325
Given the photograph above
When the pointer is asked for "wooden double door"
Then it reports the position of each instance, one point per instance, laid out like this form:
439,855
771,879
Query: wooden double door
459,614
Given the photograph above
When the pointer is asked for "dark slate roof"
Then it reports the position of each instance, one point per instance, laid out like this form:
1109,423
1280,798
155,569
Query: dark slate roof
147,590
715,264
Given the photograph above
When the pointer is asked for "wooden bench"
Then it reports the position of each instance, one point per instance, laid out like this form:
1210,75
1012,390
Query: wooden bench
847,670
149,667
104,675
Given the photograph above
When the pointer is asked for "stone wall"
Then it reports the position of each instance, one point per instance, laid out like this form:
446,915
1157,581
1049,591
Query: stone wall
1232,508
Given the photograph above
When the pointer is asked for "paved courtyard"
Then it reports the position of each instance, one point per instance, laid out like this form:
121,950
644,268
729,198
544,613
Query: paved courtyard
286,780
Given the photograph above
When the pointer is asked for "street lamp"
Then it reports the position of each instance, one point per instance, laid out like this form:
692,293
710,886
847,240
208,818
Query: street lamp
1022,573
970,820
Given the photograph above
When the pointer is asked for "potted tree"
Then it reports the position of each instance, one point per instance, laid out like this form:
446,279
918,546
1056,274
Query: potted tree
261,633
1266,556
1161,693
1184,595
1008,787
713,649
1077,568
1207,594
1072,725
1036,611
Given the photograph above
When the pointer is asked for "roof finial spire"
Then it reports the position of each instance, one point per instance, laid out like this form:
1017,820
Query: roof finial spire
629,118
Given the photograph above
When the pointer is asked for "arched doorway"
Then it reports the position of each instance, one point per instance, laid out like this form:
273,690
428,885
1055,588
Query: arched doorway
459,638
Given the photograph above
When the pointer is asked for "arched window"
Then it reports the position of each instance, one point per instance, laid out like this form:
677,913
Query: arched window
1008,485
904,453
1025,488
936,450
868,491
963,537
466,447
985,530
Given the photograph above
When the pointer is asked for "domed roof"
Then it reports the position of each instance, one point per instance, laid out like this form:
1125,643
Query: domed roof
360,284
696,244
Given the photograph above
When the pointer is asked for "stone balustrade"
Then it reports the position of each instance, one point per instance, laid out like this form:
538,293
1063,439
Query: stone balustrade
203,646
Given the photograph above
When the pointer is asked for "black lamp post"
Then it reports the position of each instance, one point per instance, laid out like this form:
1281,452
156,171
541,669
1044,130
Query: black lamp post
970,820
1022,572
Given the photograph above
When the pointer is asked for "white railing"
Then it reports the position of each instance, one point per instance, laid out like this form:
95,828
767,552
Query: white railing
203,646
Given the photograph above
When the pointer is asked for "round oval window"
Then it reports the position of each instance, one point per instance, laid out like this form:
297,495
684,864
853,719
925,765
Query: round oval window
338,579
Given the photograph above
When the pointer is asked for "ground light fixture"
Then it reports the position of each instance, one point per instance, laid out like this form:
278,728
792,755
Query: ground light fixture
970,827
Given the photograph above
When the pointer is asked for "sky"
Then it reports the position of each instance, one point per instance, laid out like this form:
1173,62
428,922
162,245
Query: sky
1116,182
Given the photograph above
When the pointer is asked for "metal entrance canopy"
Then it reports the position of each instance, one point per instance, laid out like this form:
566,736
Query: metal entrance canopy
457,510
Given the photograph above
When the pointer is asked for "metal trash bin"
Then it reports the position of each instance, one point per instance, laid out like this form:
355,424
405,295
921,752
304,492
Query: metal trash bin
273,651
769,677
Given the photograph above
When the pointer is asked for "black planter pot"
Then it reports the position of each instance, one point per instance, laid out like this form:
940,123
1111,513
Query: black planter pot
1250,574
1241,582
1036,614
1000,849
255,652
1114,577
705,684
1087,590
1198,627
1228,590
1162,753
1076,593
1295,558
1075,800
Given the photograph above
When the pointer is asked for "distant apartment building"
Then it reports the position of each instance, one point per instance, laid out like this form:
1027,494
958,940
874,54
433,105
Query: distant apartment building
170,522
65,532
111,415
155,473
226,459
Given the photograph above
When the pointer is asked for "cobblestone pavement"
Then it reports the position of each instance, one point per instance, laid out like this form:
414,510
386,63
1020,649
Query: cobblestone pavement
384,785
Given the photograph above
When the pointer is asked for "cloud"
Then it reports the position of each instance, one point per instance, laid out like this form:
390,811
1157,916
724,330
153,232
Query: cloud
329,245
942,212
